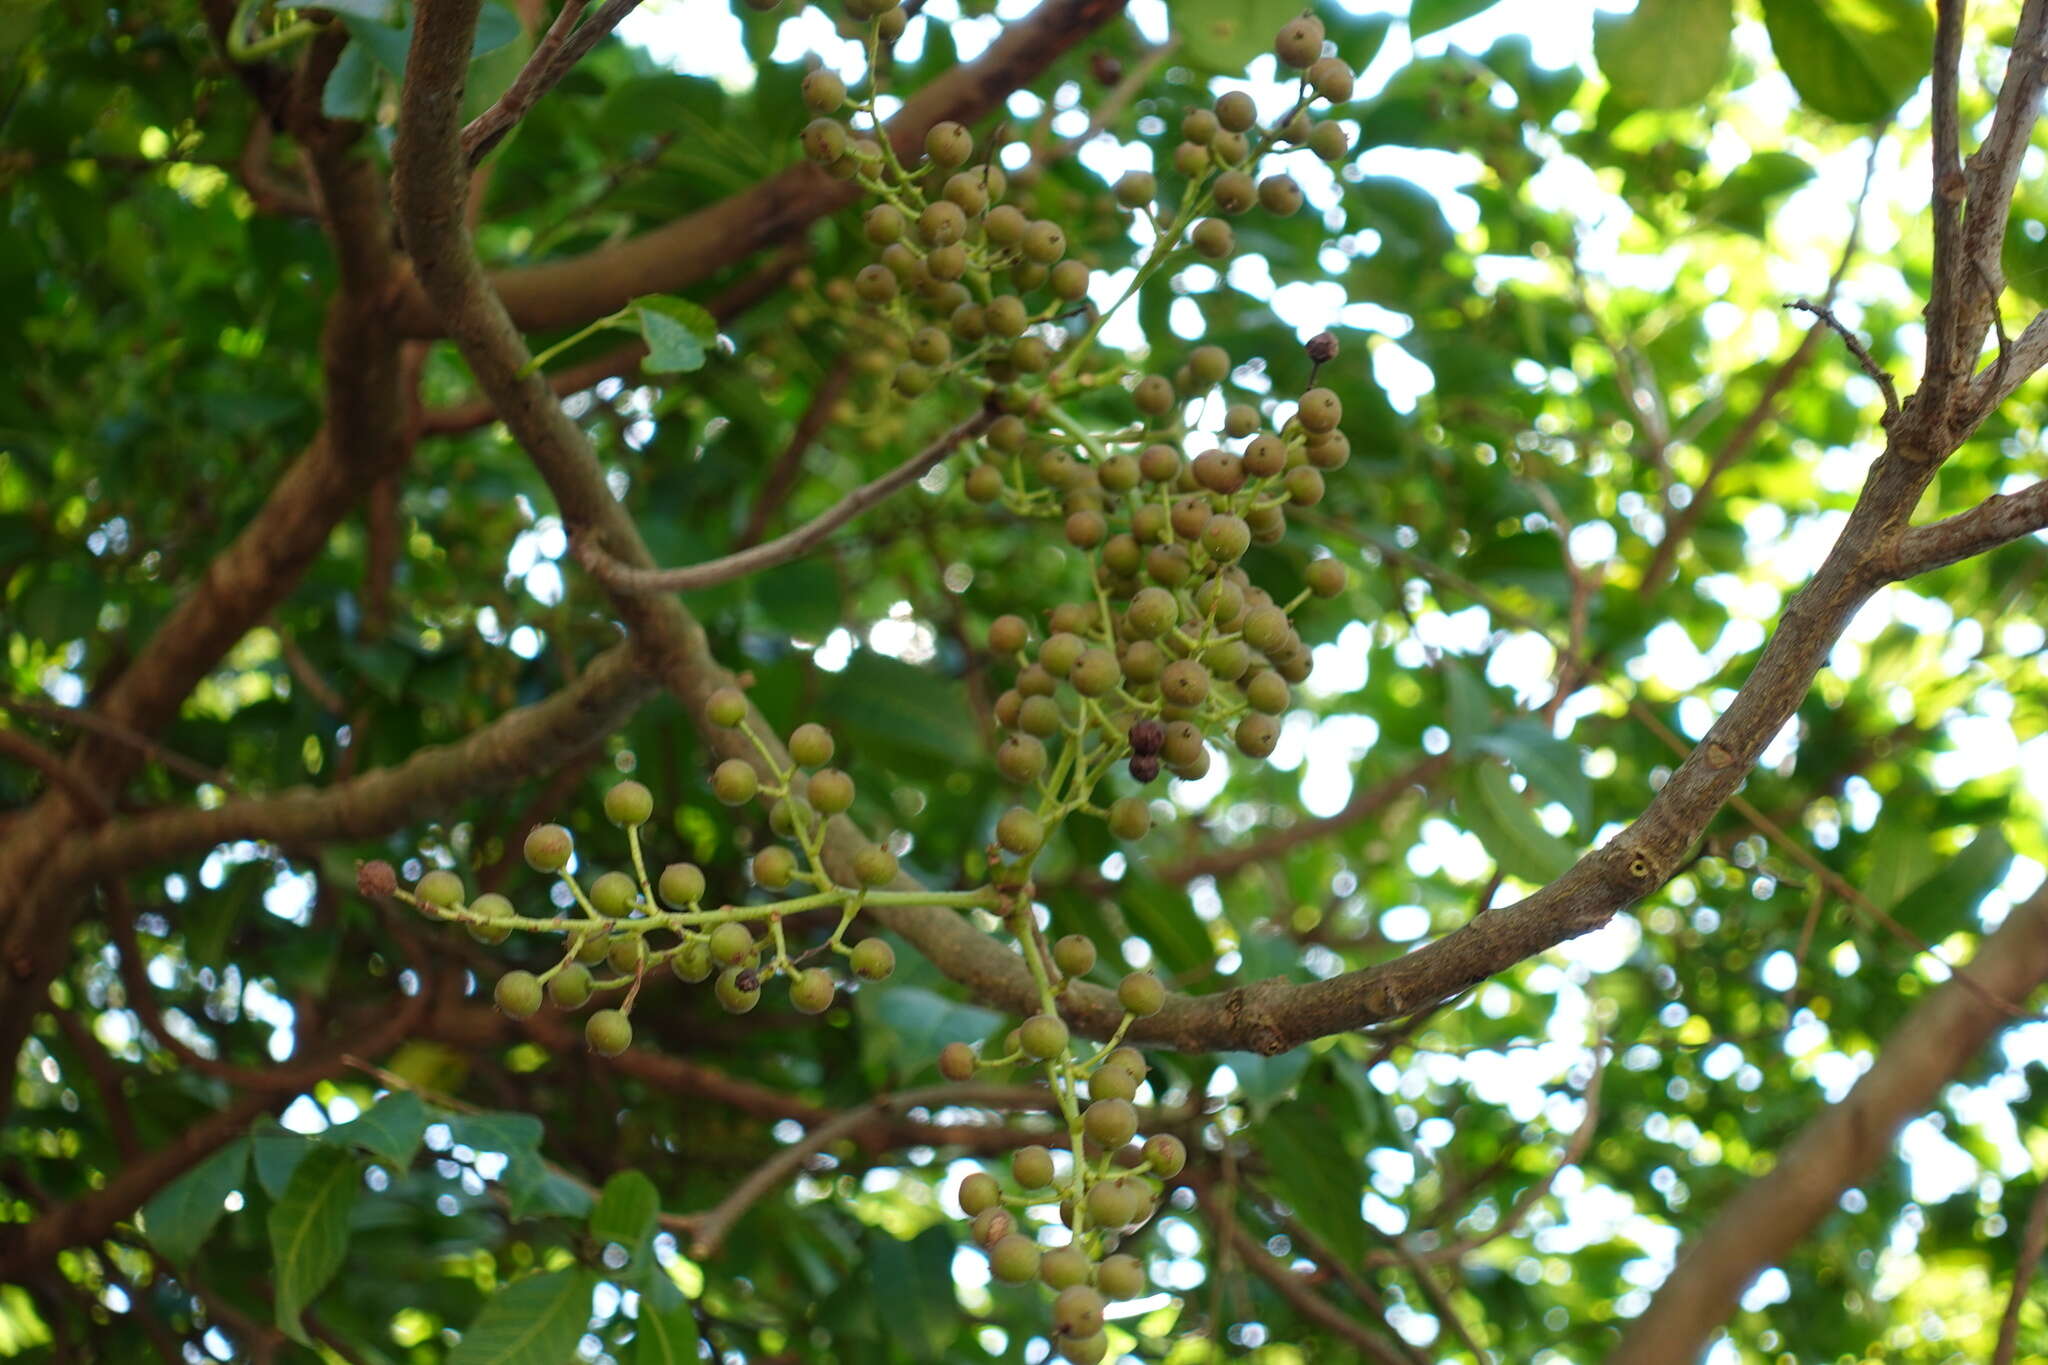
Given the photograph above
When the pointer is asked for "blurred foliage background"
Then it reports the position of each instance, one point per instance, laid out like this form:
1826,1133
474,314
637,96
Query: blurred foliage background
1595,455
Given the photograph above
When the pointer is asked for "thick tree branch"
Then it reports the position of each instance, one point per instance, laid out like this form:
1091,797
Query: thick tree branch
509,749
693,248
1998,520
1841,1146
621,578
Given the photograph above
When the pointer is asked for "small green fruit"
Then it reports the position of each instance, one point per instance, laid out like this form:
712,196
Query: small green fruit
569,988
1077,1312
1111,1123
738,990
1043,1036
681,885
608,1032
873,959
1021,832
548,848
692,961
875,865
1032,1167
1112,1083
731,944
1141,994
613,894
628,804
735,782
979,1192
518,994
831,791
1075,954
774,866
1111,1204
812,990
811,745
1014,1259
1129,818
956,1062
439,888
1166,1154
1064,1267
727,706
1120,1277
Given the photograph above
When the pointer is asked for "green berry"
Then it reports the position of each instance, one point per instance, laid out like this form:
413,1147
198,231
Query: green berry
1213,238
1095,673
1088,1350
1005,225
1136,189
1234,192
1111,1123
1112,1083
608,1032
728,706
824,92
812,989
1267,692
957,1062
1257,735
949,144
824,140
1120,1277
1300,42
1152,613
692,961
593,948
1014,1259
1077,1312
1219,471
775,866
1266,628
735,782
569,988
1153,395
1032,1167
1331,78
1184,683
1112,1204
1043,1036
1325,577
1063,1267
1280,195
991,1226
1044,242
1130,818
831,791
1320,411
875,865
1008,634
548,848
1236,112
979,1192
738,990
1226,538
1141,994
681,885
873,959
731,944
811,745
628,804
518,994
1021,832
613,894
1021,758
1075,954
1329,141
1038,716
1210,365
439,888
1166,1154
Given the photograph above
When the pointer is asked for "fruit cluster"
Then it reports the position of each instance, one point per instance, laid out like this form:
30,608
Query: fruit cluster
630,924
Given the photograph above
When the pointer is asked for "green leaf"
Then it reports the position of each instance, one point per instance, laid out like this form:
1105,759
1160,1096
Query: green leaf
1468,706
278,1153
1744,200
376,11
1853,60
665,1333
672,348
911,1023
626,1212
1667,54
1427,16
1551,765
389,1130
184,1212
351,86
1310,1167
534,1321
309,1231
1492,809
1224,35
495,27
1163,917
915,1280
516,1137
1263,1081
1945,901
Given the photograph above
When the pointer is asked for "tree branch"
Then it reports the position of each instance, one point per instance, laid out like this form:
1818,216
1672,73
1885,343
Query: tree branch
622,578
695,247
1840,1147
783,474
2032,1240
559,49
1998,520
514,746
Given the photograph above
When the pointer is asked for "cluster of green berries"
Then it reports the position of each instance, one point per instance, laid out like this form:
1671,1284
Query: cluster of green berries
1108,1186
627,925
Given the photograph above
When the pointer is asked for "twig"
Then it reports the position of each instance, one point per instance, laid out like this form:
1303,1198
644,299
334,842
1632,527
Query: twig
710,1228
817,415
1857,349
1998,520
558,51
14,744
2031,1243
621,578
82,719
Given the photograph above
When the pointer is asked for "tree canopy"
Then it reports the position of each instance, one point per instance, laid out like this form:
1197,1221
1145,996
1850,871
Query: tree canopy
1176,681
